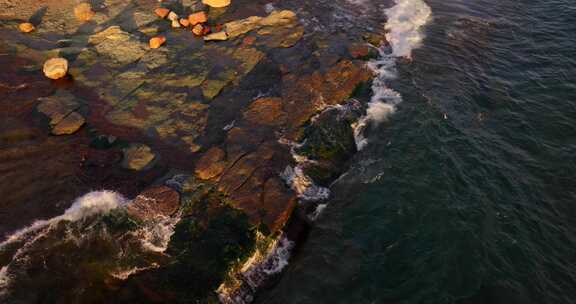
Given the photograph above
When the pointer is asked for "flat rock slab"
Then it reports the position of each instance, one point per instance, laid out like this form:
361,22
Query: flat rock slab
153,202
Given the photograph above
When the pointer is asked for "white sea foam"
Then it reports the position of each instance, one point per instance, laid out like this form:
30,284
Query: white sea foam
261,265
155,236
126,273
92,203
303,185
404,33
317,212
3,279
404,23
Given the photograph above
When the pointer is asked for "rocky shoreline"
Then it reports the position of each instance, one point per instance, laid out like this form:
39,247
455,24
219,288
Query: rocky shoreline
221,142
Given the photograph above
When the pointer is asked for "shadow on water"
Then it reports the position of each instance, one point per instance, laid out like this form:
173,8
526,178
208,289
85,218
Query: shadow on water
37,17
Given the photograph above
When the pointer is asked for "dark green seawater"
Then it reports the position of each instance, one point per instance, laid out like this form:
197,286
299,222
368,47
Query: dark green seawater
468,193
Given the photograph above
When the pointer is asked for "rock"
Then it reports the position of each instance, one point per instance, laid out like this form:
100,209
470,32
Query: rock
69,125
115,47
176,24
56,68
275,19
211,164
26,27
173,16
330,143
306,95
57,107
266,111
217,3
153,202
83,12
184,22
157,42
199,17
362,51
219,36
198,30
162,12
61,109
138,157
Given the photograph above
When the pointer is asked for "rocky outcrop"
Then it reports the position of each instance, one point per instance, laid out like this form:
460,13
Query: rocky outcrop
305,96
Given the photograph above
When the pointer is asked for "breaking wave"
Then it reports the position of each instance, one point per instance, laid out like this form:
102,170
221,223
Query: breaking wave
92,203
404,34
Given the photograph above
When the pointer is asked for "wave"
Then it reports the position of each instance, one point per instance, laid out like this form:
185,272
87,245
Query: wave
92,203
404,34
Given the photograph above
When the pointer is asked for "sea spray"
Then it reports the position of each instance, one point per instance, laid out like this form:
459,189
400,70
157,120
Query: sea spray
269,258
155,236
404,33
95,219
92,203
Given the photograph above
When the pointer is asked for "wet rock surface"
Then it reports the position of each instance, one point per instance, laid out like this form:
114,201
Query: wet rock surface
218,107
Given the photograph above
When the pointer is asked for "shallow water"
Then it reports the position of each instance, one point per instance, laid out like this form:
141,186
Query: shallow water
466,194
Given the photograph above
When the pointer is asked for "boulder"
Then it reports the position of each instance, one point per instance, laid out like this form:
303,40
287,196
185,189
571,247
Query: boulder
199,17
56,68
138,157
83,12
157,42
217,3
162,12
184,22
153,202
26,27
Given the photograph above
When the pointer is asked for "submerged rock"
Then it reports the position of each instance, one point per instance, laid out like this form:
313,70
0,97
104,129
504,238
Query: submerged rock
69,125
116,47
61,109
138,157
58,106
276,18
56,68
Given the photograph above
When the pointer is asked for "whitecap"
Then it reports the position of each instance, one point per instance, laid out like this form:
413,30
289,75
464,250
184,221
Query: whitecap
404,33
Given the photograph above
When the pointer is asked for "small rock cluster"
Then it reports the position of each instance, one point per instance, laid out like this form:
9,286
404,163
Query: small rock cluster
195,21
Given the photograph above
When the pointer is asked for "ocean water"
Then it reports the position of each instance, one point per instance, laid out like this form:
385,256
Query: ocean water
466,192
